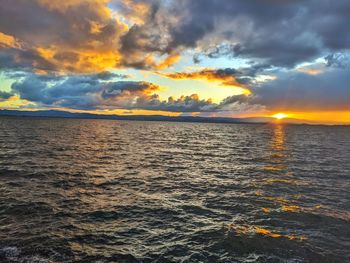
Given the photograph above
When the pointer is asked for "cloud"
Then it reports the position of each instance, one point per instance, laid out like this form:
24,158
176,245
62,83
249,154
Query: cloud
7,41
280,33
190,103
5,95
61,52
227,76
81,36
91,36
269,31
315,87
91,92
168,61
289,91
149,38
135,11
185,104
241,77
299,91
78,92
74,36
338,60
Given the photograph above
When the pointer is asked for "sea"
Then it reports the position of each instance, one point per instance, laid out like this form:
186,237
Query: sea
75,190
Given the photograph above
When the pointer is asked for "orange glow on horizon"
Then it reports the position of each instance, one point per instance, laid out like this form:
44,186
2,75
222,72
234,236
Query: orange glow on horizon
324,117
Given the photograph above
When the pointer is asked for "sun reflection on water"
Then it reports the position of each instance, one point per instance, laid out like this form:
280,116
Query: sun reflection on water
279,138
277,155
278,175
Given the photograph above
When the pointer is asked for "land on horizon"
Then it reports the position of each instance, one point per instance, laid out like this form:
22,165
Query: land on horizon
79,115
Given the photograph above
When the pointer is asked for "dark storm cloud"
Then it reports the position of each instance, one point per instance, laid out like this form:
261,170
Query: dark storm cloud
266,30
281,33
330,20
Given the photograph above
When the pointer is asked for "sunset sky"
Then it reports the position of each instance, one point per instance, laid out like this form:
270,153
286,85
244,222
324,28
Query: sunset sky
231,58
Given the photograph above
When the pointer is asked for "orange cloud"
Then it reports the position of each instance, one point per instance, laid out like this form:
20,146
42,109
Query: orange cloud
135,12
7,41
14,102
225,76
62,6
78,36
79,60
169,61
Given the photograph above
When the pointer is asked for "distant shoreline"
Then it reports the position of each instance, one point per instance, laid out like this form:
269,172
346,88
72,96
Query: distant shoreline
153,118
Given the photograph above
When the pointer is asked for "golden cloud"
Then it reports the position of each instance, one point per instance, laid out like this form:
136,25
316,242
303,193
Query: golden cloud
77,36
225,77
7,41
135,12
169,61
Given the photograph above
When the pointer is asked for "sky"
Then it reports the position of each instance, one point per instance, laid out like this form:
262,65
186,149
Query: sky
216,58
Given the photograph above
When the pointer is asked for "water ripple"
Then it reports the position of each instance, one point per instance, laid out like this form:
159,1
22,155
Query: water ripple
119,191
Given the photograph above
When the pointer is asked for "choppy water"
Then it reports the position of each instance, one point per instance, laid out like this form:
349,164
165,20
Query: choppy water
118,191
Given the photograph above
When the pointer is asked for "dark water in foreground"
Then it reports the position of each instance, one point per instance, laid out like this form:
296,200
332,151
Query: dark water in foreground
118,191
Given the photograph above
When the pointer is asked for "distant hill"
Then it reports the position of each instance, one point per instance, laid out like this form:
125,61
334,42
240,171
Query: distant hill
67,114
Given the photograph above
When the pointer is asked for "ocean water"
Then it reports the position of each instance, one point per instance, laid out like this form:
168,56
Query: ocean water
120,191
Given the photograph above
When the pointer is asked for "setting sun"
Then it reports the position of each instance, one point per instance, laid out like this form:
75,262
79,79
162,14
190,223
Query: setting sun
280,116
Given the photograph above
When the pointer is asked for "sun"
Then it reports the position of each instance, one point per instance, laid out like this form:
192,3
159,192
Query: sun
280,116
